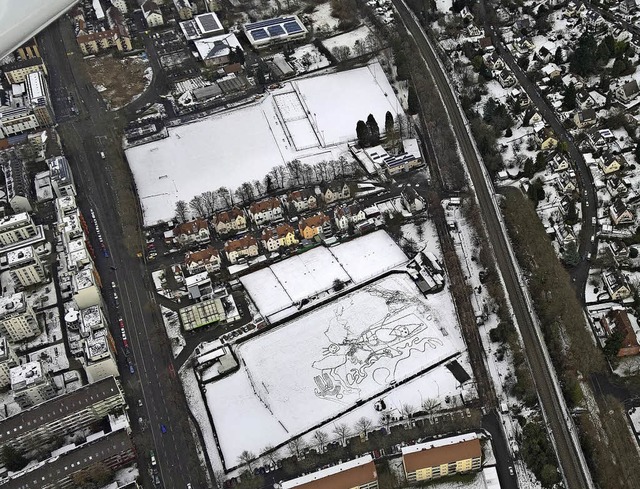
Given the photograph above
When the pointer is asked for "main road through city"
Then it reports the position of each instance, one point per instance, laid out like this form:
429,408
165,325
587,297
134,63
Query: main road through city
154,392
569,452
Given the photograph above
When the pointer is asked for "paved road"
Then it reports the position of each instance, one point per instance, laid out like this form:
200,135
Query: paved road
569,453
95,129
589,201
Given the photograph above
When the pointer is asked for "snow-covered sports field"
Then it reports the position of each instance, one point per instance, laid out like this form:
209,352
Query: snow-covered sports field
312,369
241,145
278,287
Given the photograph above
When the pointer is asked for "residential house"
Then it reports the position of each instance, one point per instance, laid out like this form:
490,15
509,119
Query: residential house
486,44
519,97
616,187
619,250
312,226
442,457
522,45
184,9
627,92
152,14
585,118
551,70
231,221
411,200
244,247
546,138
474,31
192,232
559,163
266,210
207,260
617,320
564,235
611,163
602,139
628,6
302,200
569,78
584,100
616,284
346,215
531,117
280,236
565,183
218,51
620,213
506,78
336,191
546,53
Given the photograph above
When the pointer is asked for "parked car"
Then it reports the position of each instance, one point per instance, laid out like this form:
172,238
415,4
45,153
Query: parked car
163,428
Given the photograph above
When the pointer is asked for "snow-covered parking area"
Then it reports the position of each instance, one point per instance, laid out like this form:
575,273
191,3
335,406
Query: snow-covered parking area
278,287
312,369
240,145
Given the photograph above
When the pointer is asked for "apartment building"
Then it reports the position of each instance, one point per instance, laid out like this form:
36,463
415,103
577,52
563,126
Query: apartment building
100,362
31,385
17,319
16,228
18,71
355,474
113,450
25,267
39,98
8,359
62,415
86,288
61,177
443,457
16,120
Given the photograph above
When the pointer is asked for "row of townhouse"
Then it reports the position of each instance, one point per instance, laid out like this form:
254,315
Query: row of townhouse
265,211
93,39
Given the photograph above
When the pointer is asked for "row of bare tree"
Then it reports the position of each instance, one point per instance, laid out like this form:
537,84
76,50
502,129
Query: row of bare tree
282,177
342,432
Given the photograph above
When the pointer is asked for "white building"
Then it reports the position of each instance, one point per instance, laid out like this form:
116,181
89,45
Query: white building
16,228
16,120
100,362
39,99
152,14
31,385
61,177
17,319
25,267
271,31
121,5
8,359
86,288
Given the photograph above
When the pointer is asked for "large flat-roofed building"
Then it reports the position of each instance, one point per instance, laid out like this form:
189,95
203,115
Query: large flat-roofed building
16,228
31,385
100,362
25,267
113,450
86,288
272,31
61,177
16,120
355,474
39,99
62,415
17,72
8,359
439,458
203,25
17,319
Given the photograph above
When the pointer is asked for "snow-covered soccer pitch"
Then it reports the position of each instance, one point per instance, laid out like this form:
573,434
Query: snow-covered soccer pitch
317,366
241,145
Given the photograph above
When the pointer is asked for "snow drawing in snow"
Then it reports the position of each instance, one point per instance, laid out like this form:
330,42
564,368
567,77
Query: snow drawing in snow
352,357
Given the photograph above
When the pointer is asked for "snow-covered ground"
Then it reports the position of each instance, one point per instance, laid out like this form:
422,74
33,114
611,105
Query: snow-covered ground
300,277
343,352
233,147
308,58
359,41
322,19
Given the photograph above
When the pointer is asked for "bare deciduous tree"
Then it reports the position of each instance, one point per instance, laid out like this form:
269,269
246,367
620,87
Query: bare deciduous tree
224,194
363,425
342,432
246,458
321,437
430,405
270,453
198,207
181,211
296,447
209,201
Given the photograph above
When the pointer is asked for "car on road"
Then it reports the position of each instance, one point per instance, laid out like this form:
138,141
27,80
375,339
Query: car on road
152,456
511,470
163,428
188,485
131,367
139,402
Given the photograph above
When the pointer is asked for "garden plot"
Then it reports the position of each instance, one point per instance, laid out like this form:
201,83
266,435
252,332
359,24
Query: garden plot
314,368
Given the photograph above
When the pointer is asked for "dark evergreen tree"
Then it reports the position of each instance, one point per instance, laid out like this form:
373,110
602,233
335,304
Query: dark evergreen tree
374,130
569,101
389,125
362,132
412,102
12,459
